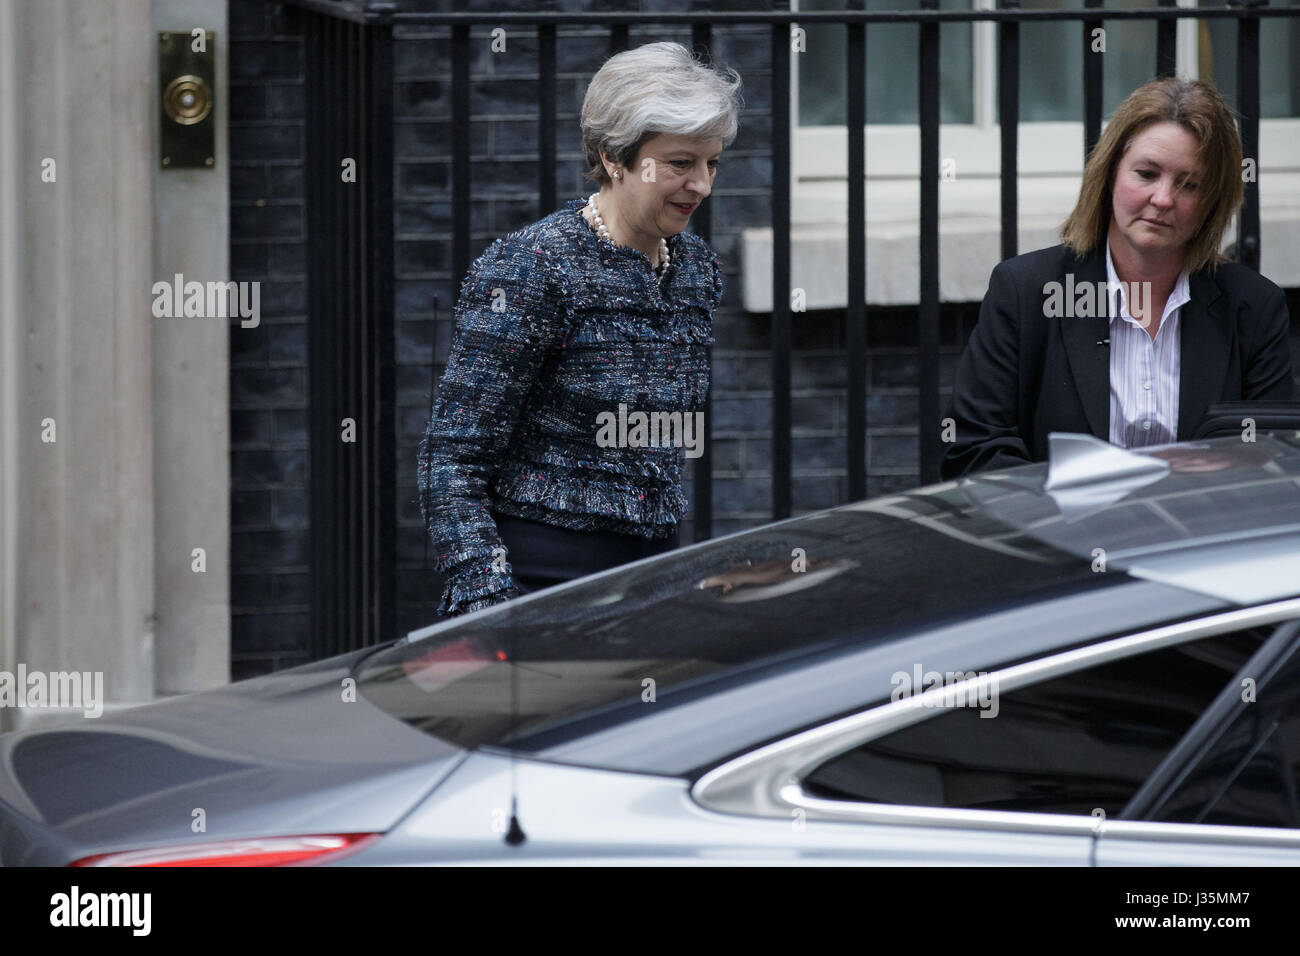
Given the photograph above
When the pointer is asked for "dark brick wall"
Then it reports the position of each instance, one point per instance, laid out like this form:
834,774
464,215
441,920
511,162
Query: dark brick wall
503,142
503,137
268,365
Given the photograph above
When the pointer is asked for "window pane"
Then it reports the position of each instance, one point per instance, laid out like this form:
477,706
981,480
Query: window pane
1051,61
1279,46
1067,745
891,68
1251,777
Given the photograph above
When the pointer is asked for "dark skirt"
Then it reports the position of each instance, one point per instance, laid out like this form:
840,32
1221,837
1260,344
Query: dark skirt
542,555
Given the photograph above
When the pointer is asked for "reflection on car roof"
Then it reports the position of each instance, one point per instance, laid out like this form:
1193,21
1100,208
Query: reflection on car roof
1220,516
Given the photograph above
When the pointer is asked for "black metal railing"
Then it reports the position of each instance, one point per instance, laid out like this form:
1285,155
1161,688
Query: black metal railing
376,21
349,191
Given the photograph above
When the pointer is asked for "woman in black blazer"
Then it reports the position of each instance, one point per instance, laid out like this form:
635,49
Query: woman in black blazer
1069,338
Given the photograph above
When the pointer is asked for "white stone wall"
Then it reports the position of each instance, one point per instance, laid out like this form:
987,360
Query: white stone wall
970,237
99,524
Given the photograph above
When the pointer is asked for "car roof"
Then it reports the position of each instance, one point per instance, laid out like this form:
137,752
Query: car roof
1220,517
998,567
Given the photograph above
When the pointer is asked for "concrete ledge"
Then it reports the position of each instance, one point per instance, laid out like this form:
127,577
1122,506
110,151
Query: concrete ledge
969,242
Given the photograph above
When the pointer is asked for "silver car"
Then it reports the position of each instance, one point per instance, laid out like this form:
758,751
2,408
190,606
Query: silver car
1092,661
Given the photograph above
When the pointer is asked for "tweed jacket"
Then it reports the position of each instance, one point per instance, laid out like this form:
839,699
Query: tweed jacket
557,330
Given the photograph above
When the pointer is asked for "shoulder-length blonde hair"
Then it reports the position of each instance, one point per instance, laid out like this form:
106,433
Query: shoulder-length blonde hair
1198,108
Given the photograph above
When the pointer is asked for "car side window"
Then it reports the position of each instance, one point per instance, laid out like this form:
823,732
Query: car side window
1071,744
1251,774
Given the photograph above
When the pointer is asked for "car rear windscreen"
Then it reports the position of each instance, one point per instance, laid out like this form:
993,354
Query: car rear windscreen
602,650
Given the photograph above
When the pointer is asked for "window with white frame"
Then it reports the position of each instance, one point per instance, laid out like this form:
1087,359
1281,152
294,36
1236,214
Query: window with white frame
1051,87
1050,141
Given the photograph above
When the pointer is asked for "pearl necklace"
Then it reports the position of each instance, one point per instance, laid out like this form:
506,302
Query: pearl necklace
604,234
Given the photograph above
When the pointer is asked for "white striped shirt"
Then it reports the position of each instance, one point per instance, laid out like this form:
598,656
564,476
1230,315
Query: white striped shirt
1143,372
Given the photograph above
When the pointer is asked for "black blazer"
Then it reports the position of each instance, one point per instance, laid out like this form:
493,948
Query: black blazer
1024,375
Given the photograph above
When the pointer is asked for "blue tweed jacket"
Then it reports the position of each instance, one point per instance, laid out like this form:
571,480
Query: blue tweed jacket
555,326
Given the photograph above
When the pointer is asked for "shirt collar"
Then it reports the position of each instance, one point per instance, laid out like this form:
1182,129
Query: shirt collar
1179,297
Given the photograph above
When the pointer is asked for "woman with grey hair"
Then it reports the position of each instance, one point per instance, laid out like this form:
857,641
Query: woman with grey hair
579,357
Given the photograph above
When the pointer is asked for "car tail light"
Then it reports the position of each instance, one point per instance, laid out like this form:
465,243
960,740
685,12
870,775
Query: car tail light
257,851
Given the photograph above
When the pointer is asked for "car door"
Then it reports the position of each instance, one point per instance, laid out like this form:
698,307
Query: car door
1028,763
1230,794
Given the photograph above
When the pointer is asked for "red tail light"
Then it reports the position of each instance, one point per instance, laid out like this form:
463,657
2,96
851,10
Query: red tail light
256,851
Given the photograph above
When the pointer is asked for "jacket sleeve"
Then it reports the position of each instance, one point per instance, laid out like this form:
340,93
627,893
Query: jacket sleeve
1267,375
986,393
508,318
717,282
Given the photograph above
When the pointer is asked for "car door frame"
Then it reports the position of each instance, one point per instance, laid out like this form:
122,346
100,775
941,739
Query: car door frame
1129,839
768,781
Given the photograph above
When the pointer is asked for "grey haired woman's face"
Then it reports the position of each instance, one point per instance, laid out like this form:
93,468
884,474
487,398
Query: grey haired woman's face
669,179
